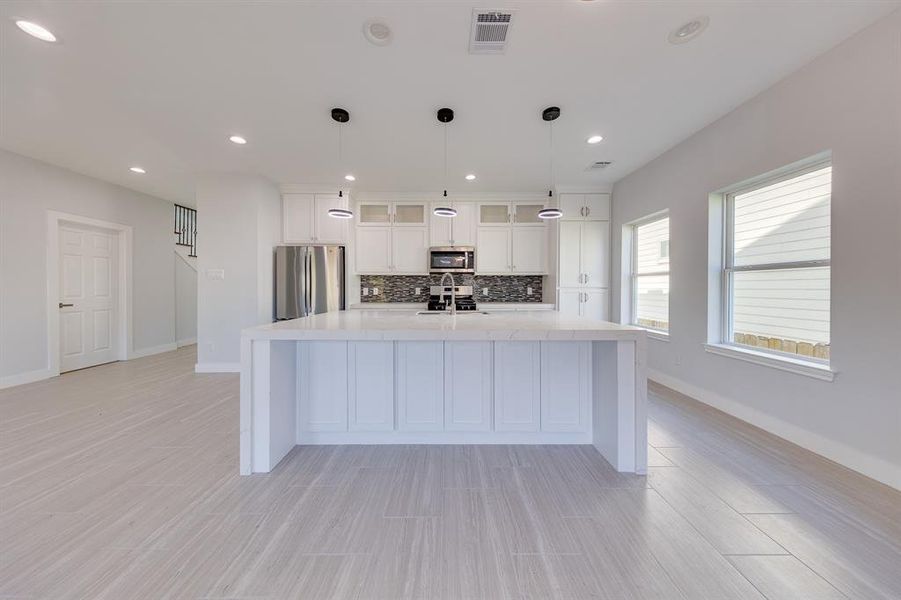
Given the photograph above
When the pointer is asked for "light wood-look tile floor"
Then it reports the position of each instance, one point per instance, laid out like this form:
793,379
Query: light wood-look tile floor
121,482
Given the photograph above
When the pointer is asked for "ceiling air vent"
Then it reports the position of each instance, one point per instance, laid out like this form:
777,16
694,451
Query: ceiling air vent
599,164
490,31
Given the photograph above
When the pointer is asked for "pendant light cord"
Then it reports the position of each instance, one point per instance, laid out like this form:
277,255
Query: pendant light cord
445,159
340,191
550,191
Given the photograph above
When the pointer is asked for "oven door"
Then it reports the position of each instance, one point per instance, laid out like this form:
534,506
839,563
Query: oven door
451,260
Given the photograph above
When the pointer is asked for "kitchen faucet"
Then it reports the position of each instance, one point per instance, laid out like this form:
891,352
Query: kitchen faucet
453,293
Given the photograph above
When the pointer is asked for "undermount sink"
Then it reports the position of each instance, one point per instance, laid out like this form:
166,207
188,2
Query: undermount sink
448,313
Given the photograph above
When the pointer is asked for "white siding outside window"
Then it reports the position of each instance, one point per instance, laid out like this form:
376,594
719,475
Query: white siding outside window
650,274
777,267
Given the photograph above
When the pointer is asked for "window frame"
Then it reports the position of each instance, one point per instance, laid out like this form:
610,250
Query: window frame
727,330
634,275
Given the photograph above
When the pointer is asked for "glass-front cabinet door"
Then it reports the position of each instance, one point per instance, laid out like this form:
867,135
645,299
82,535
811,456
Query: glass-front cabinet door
527,214
410,213
494,214
374,213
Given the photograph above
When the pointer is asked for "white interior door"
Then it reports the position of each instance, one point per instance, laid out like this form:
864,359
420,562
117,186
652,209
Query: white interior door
88,297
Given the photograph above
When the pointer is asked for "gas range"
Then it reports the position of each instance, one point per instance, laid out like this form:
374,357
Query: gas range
439,298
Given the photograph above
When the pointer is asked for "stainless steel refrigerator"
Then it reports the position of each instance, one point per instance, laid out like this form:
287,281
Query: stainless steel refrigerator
308,280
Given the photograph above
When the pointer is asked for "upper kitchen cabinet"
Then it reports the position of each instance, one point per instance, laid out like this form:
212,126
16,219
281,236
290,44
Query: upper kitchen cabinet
453,231
305,219
585,207
392,238
511,239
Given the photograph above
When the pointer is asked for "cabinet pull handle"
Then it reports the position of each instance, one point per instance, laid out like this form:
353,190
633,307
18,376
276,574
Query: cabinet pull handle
586,277
587,211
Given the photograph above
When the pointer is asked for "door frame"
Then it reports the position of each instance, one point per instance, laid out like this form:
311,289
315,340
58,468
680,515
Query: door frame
125,235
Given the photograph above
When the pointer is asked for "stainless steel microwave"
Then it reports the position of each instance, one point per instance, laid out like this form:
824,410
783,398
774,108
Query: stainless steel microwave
452,259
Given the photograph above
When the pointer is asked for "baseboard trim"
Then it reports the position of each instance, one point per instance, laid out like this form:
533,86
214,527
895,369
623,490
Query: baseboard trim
186,342
865,464
217,368
22,378
152,350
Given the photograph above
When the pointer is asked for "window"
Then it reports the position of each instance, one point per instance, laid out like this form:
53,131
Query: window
650,273
777,264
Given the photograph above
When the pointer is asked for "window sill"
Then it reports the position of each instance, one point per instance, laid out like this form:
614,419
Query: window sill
783,363
660,336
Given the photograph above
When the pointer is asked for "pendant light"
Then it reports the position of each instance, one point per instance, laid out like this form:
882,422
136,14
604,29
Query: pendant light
341,116
550,114
445,115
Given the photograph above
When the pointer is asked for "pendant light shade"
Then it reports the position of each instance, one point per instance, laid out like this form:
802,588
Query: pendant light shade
341,116
443,211
550,213
340,213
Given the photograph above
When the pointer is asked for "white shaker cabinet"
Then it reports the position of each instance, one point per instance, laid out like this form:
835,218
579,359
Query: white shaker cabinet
565,386
453,231
322,386
529,250
370,386
493,251
585,207
373,250
409,250
467,386
517,386
583,268
420,386
305,219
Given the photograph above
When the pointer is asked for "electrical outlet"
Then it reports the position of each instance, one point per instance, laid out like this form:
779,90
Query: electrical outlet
365,291
528,291
375,291
678,360
484,291
418,291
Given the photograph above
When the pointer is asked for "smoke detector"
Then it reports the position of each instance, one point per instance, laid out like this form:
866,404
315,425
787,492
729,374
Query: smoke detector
599,164
490,31
377,32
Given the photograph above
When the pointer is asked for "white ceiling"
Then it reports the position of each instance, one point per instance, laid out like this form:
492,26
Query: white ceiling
163,84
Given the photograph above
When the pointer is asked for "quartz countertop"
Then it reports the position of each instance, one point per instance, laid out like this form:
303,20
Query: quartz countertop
407,325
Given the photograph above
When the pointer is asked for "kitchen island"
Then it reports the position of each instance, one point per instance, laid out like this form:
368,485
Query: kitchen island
396,377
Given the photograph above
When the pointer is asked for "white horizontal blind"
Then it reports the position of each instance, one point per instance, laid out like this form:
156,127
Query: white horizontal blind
778,270
650,274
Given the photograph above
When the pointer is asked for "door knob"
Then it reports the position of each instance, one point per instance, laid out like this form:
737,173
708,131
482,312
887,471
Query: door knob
61,305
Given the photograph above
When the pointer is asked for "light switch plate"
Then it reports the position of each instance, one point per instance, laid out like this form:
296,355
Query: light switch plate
528,291
375,291
418,291
484,291
365,291
217,274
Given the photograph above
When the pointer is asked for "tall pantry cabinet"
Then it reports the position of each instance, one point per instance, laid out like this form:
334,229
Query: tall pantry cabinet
583,256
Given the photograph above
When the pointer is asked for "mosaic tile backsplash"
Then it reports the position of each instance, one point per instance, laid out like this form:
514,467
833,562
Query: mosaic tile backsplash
501,288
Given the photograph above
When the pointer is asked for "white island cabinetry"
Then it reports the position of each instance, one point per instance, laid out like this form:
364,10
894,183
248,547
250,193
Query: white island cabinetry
393,377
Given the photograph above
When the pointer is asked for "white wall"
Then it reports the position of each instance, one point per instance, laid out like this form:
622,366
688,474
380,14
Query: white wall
847,101
29,189
185,299
241,224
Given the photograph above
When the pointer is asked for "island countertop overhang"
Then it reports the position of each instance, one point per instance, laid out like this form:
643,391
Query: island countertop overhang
403,325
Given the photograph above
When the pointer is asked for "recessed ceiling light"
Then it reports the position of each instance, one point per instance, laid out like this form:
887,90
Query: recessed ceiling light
689,31
35,30
237,139
137,170
377,32
350,177
594,139
470,177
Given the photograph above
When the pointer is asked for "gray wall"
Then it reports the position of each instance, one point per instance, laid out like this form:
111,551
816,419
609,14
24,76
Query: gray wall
847,101
29,189
185,299
241,219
